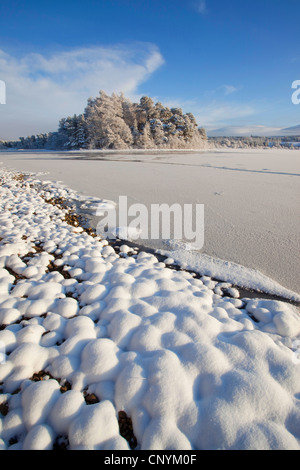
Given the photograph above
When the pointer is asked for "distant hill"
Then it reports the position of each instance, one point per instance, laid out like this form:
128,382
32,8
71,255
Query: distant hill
261,131
295,130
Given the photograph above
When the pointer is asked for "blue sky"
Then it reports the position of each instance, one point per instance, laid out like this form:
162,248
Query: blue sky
230,62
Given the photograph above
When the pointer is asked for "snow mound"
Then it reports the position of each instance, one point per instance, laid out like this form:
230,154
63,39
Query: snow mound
92,333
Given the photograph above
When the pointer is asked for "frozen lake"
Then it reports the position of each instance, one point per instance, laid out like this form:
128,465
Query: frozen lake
251,197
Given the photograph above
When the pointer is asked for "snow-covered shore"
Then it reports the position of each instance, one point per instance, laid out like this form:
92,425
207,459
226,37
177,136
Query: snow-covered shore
111,349
250,197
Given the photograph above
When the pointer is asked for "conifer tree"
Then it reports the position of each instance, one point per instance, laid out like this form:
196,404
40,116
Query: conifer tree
114,122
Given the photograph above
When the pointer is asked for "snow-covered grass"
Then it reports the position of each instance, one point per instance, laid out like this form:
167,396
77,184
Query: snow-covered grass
112,349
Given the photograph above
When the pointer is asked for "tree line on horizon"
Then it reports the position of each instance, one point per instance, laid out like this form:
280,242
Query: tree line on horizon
254,142
114,122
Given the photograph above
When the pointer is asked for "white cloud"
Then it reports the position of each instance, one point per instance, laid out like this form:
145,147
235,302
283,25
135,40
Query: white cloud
41,90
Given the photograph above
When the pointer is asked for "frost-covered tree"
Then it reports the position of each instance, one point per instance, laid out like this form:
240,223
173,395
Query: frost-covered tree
129,113
106,125
202,133
158,134
81,133
146,104
114,122
144,138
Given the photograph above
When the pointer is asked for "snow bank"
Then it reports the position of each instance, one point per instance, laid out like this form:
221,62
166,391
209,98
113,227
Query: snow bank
226,270
91,333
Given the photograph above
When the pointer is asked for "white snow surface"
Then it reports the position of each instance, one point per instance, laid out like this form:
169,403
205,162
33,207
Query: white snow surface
228,271
193,367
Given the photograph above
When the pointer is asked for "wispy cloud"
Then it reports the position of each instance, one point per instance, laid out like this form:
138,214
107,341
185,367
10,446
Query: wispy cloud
42,89
229,89
217,113
221,91
201,7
